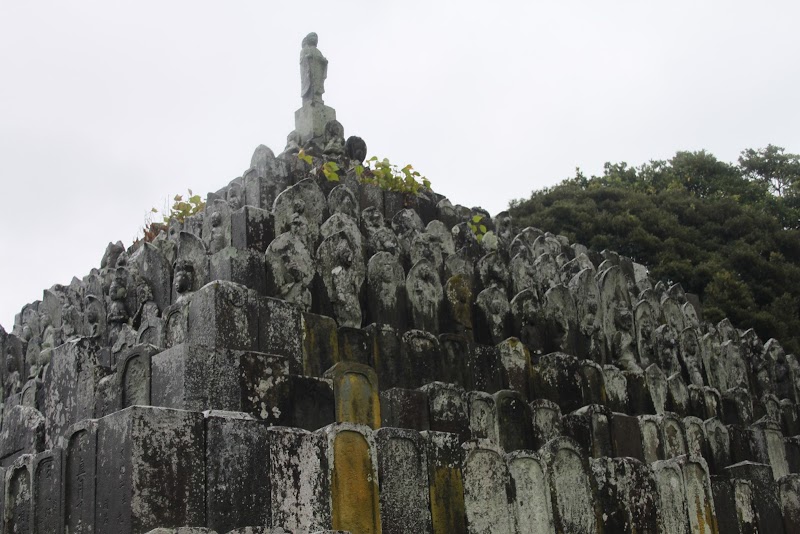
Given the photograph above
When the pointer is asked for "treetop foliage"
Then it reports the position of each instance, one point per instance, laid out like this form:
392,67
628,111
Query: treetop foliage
729,233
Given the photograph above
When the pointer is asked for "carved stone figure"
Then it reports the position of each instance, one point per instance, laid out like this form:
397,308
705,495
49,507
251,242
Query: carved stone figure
617,318
590,340
334,139
343,275
386,290
290,270
691,357
313,71
355,149
183,281
425,296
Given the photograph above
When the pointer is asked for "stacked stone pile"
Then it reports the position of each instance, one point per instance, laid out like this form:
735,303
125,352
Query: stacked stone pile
308,354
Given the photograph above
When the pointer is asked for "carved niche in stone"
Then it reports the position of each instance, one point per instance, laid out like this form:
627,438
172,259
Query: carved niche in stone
521,271
617,318
691,356
493,271
561,315
782,381
458,303
301,209
290,270
586,292
672,314
342,200
460,263
576,265
342,272
547,271
445,238
666,345
425,295
494,312
217,226
760,369
340,222
406,225
334,139
427,246
235,196
386,290
527,318
645,322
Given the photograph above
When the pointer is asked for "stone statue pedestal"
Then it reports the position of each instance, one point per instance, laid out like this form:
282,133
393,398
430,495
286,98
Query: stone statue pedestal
310,120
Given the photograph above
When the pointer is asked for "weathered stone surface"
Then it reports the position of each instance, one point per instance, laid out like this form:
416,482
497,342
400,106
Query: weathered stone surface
223,315
532,502
47,492
244,267
353,468
626,490
671,497
198,378
493,316
300,486
546,417
789,488
425,296
589,427
237,471
514,421
458,306
403,476
301,208
626,436
146,477
320,344
515,366
483,368
699,497
616,389
280,331
764,494
718,444
673,440
448,412
342,271
134,376
733,502
405,408
486,489
652,438
421,359
355,391
446,482
289,270
23,432
571,487
482,416
386,297
19,496
556,378
70,392
80,451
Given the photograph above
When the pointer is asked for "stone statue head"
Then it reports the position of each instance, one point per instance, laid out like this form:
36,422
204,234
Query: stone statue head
310,40
184,276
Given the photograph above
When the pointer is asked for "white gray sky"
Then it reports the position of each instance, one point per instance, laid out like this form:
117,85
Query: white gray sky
108,108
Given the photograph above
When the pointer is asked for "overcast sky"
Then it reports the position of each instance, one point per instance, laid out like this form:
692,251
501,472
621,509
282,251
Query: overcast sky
108,108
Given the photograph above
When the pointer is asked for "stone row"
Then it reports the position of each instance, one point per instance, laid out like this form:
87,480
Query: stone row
146,467
529,284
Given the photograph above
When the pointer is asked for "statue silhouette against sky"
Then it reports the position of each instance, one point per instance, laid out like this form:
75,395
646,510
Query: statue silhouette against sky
313,71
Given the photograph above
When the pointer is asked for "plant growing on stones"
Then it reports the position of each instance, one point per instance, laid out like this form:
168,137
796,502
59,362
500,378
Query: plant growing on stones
477,227
179,211
390,177
329,169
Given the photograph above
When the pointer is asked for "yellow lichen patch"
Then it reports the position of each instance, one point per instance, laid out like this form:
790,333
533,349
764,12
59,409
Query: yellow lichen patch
354,490
357,401
447,501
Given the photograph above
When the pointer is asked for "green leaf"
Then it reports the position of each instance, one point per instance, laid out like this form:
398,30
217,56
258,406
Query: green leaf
477,218
482,229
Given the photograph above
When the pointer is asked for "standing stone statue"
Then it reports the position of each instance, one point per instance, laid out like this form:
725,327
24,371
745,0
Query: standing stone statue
313,70
311,119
